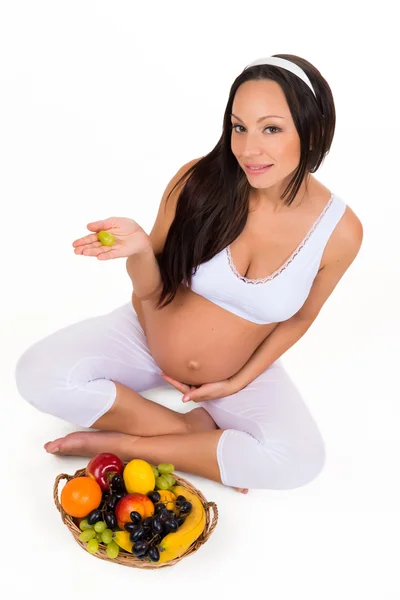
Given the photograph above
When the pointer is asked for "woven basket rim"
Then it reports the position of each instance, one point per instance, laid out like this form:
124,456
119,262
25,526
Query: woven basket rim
126,558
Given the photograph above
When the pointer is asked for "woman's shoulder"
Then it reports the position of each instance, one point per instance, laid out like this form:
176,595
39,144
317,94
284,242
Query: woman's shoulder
188,165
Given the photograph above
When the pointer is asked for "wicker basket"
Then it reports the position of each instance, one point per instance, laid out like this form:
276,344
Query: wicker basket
126,558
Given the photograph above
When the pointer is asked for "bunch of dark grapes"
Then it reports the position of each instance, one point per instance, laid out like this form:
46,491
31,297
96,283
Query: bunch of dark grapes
110,498
147,533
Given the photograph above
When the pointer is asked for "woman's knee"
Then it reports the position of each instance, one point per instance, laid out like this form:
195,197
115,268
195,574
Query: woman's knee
29,375
245,461
302,466
52,388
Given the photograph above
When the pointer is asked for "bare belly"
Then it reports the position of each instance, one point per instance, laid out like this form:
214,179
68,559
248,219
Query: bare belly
196,341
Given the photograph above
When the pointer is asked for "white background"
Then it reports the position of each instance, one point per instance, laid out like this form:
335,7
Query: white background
100,104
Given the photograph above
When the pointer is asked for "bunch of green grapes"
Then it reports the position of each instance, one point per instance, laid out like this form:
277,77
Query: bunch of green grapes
96,534
164,479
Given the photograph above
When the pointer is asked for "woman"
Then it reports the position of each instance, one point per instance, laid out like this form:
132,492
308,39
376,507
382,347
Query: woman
237,266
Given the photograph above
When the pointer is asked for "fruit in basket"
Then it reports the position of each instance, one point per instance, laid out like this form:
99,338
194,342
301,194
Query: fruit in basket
103,467
117,484
133,503
161,483
171,480
168,498
110,519
87,535
99,527
165,480
174,544
138,477
83,525
94,516
165,468
93,546
153,554
154,496
111,501
168,533
107,536
80,496
122,539
112,550
155,470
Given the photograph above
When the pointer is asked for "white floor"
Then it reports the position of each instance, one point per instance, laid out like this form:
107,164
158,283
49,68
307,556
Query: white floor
336,537
100,104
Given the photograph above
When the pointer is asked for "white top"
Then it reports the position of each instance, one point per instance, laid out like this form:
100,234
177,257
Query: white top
279,296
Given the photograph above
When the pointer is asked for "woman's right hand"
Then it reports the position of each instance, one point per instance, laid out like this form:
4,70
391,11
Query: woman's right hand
130,239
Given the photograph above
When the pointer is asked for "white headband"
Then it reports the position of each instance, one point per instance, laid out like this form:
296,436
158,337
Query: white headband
284,64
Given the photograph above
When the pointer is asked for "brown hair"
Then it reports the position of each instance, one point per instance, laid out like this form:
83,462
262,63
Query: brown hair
212,207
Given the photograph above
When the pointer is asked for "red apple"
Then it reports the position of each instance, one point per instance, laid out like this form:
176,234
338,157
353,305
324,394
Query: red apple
103,467
138,502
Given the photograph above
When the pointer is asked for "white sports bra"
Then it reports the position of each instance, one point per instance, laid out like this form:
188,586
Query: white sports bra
279,296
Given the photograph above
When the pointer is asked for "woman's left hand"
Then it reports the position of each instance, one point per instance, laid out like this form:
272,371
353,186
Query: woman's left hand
207,391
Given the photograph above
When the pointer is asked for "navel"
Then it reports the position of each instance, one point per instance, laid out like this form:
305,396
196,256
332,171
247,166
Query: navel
194,365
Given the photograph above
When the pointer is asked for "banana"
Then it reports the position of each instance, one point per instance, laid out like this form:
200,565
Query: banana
123,541
176,543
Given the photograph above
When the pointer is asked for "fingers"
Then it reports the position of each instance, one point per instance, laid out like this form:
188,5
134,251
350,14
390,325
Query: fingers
88,239
182,387
100,225
100,251
88,248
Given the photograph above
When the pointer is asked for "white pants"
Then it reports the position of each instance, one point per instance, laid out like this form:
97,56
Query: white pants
270,440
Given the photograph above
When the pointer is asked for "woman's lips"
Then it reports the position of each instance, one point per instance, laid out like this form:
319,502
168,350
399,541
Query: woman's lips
257,171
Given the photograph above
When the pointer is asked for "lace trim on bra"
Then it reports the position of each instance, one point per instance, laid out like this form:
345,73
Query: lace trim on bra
286,263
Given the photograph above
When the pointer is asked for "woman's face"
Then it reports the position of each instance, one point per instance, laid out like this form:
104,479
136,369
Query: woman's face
272,141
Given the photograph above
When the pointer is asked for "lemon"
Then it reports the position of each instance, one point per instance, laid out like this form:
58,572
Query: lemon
139,477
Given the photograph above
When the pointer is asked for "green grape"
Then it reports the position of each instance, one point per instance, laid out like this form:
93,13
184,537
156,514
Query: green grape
106,536
155,471
162,483
98,537
112,550
83,525
87,535
170,479
100,526
165,468
106,238
93,546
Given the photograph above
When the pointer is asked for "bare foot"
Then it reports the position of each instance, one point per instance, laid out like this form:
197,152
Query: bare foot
198,419
90,443
242,490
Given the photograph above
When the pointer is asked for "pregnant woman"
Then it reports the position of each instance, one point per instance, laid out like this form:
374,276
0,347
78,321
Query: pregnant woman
246,248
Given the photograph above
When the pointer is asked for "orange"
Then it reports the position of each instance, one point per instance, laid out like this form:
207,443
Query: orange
80,496
168,498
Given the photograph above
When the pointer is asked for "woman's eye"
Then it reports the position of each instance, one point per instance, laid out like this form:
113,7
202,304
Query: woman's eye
270,127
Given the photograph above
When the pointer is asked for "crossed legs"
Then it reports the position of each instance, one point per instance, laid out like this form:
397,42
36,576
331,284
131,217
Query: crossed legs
138,427
91,374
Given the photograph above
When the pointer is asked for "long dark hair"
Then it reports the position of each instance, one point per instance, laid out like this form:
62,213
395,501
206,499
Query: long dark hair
212,207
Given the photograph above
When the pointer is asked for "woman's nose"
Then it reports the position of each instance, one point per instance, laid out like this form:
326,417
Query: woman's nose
253,146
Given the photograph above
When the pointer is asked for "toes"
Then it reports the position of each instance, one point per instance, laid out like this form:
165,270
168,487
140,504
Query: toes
53,447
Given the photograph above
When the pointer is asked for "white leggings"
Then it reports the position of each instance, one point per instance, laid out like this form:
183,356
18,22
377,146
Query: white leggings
270,440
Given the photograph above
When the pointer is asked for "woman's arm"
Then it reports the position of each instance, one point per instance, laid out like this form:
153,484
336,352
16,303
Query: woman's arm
283,337
145,274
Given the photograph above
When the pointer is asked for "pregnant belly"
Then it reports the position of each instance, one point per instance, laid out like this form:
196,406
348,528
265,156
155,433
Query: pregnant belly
195,341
